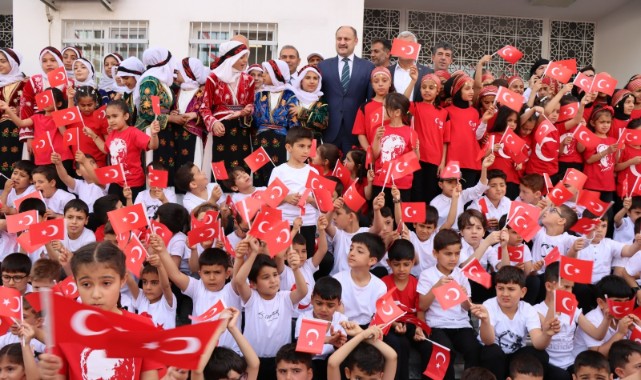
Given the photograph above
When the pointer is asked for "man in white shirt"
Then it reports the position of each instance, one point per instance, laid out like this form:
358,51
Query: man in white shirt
401,71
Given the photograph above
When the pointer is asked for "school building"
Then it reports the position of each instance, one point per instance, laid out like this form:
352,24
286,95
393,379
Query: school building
603,33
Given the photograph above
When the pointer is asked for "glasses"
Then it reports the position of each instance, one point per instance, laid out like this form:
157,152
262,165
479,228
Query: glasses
556,210
241,377
6,278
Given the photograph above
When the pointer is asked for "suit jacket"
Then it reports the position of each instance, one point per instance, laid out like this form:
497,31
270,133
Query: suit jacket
422,71
344,105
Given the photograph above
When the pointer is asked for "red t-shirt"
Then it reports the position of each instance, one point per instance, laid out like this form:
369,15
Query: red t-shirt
569,152
125,147
503,162
601,173
631,172
41,145
617,127
87,145
430,123
396,142
79,362
407,297
463,146
544,157
635,114
368,118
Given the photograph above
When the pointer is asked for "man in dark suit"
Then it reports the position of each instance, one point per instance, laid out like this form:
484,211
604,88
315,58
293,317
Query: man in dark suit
401,77
346,85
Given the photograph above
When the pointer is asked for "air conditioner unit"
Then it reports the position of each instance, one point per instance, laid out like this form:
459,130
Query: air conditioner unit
552,3
52,3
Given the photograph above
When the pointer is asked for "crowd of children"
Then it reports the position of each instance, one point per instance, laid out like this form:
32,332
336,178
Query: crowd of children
422,217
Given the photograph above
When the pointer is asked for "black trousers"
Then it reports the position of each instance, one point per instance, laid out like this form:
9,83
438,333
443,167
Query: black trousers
402,343
425,183
462,341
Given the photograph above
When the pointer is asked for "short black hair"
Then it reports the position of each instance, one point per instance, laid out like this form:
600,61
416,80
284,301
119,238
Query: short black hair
339,185
48,171
261,261
17,263
570,217
295,134
299,239
552,272
387,44
373,242
496,173
431,215
636,201
510,275
231,181
591,359
33,204
477,373
121,105
620,352
58,97
103,205
78,205
174,216
328,288
288,353
367,358
183,176
525,364
465,219
442,45
386,212
612,286
446,237
214,256
401,249
221,361
24,165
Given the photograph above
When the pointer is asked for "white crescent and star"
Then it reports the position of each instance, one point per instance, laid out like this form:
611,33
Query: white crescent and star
54,230
260,227
29,217
59,76
137,249
566,268
260,157
507,51
457,294
405,212
616,310
287,235
599,85
553,192
312,332
18,302
441,355
387,311
74,288
45,99
135,216
70,118
564,305
410,50
43,144
79,323
472,271
280,191
516,221
192,345
114,175
586,138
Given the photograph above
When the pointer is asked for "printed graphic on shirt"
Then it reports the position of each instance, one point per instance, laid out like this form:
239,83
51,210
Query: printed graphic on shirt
95,365
392,146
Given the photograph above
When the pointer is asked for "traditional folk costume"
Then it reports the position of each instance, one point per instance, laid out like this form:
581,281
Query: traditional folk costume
91,79
78,53
107,86
10,90
313,112
130,67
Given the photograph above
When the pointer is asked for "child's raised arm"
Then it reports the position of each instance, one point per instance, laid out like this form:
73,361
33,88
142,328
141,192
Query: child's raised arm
132,285
100,143
377,204
62,172
240,278
175,275
331,228
26,123
451,215
154,259
301,286
153,142
90,173
596,332
618,217
253,363
486,330
27,332
321,251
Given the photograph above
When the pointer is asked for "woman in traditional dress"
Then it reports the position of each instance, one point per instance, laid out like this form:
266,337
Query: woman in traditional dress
11,82
129,72
107,86
311,112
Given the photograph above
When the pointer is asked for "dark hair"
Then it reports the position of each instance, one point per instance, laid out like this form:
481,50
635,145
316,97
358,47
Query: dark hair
591,359
442,45
500,123
148,269
13,353
78,205
477,373
359,158
496,173
48,171
339,185
634,123
174,216
87,91
637,225
569,215
221,361
260,262
120,104
299,239
612,286
465,219
620,352
510,275
27,306
214,256
288,353
109,230
290,47
395,101
329,152
156,165
386,212
58,97
589,215
387,44
183,176
103,205
33,204
636,201
328,288
431,215
533,181
446,237
231,181
367,358
373,242
525,364
401,249
295,134
17,263
24,165
552,272
46,269
596,111
101,253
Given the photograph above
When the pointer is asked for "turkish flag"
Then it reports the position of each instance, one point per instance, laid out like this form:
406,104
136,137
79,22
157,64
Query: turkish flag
136,255
341,172
632,136
158,178
531,211
278,238
524,224
474,271
11,305
635,334
311,338
586,137
413,212
219,170
559,194
404,165
439,362
209,219
386,308
57,77
569,63
66,116
579,271
72,137
558,71
585,226
509,99
593,203
110,174
545,128
257,159
41,147
162,231
604,83
210,313
514,253
552,257
123,239
405,49
44,99
67,288
510,54
247,208
101,113
368,157
512,143
316,181
275,193
324,200
25,242
548,181
262,223
45,232
128,218
353,199
449,295
155,104
303,200
483,206
22,221
452,170
575,178
565,303
228,248
568,111
203,233
312,150
620,309
583,82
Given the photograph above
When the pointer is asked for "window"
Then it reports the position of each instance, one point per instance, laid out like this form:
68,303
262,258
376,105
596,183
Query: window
97,38
206,37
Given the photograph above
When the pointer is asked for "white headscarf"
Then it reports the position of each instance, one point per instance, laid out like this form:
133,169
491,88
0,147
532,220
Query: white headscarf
198,70
90,81
106,83
78,55
15,75
56,55
225,72
277,85
160,65
303,96
130,67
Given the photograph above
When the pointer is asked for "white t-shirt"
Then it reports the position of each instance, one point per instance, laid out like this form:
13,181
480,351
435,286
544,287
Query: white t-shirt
510,334
152,204
9,338
492,211
583,341
12,196
86,237
8,244
163,315
633,266
268,323
453,318
543,243
424,252
624,233
295,180
58,201
443,203
178,247
88,192
342,241
493,259
288,281
602,254
191,200
237,197
337,318
360,301
562,343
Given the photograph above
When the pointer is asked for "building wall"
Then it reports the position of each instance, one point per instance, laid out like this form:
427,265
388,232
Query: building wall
306,24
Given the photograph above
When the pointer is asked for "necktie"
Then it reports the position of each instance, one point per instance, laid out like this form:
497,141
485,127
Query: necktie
345,74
